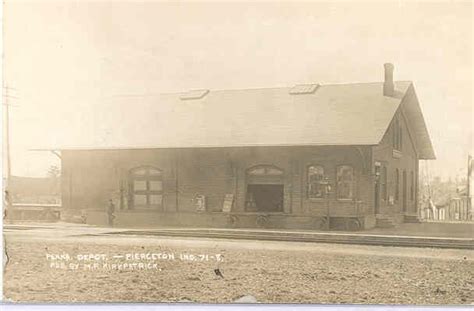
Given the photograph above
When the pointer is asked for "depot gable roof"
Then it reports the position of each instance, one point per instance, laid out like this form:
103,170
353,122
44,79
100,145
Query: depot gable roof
305,115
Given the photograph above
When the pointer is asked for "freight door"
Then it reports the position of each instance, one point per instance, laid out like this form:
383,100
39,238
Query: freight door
265,189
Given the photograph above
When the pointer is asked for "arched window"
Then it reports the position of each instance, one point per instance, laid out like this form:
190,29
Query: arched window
265,170
146,187
315,178
265,174
345,182
395,134
397,137
404,190
400,138
397,185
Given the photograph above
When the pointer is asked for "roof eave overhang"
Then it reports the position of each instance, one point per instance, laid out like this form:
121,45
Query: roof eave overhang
201,146
412,109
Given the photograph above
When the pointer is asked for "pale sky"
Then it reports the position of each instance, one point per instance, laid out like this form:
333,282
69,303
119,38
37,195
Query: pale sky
63,58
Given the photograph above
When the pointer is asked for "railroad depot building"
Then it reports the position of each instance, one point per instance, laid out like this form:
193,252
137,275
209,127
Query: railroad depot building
306,157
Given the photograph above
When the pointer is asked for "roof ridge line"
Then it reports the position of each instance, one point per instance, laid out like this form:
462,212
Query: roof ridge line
281,87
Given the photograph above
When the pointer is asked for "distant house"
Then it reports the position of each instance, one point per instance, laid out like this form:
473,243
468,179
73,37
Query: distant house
308,156
452,207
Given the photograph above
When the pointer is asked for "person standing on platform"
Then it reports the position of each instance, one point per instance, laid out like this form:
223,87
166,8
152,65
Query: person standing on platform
110,213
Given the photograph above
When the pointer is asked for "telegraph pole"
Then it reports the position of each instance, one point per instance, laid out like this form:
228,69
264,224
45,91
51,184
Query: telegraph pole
468,190
7,137
7,133
469,173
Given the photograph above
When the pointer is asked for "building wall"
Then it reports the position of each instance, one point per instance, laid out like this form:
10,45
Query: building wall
330,158
405,161
91,178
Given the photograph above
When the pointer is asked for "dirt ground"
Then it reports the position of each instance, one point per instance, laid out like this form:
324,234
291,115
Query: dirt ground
280,274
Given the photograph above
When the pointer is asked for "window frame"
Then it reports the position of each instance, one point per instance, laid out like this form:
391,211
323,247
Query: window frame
266,168
353,183
397,185
308,181
397,134
384,183
151,174
400,138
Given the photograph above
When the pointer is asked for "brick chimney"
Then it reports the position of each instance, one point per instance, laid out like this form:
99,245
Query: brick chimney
388,87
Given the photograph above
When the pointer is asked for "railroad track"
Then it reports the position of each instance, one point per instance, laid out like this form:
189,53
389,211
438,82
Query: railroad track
315,237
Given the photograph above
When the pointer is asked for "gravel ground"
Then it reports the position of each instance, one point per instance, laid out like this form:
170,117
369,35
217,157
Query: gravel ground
270,275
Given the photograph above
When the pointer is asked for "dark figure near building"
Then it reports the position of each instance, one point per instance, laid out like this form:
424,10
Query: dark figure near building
110,212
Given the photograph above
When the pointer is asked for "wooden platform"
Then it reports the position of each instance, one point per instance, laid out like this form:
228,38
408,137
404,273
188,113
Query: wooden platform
307,236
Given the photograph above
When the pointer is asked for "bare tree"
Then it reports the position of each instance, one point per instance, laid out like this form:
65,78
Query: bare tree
54,174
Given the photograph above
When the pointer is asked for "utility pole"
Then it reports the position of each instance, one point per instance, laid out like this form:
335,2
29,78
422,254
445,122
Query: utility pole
6,193
7,137
468,190
7,133
469,173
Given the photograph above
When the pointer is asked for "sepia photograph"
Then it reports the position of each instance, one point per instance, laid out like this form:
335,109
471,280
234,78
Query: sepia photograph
238,152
